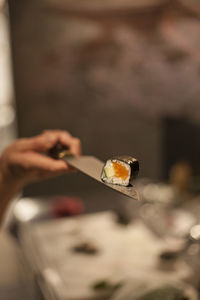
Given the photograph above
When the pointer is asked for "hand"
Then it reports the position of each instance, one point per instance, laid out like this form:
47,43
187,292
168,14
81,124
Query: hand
23,162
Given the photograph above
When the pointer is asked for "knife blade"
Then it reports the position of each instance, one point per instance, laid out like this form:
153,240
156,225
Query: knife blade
92,167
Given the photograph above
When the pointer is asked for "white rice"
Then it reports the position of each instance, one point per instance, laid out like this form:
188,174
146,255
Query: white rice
113,179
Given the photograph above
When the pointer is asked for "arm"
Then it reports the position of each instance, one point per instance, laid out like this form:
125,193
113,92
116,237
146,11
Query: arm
22,163
7,192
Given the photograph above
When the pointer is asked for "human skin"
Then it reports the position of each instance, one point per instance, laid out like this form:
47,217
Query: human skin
23,162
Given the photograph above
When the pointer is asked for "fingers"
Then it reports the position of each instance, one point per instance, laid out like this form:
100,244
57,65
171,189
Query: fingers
47,140
24,162
38,143
65,138
54,136
76,148
74,145
33,160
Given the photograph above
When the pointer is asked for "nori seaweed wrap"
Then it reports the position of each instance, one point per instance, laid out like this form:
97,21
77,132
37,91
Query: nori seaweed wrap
120,170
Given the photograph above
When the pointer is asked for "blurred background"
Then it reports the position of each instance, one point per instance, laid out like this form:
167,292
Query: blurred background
123,76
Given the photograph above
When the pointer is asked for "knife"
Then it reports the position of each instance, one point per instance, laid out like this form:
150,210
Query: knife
90,166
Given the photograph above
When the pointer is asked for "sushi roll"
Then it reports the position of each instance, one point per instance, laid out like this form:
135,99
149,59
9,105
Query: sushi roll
120,170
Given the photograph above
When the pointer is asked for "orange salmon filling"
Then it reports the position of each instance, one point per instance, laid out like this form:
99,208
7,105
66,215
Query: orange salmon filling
120,170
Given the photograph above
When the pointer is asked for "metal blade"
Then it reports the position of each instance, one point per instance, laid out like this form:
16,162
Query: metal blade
92,167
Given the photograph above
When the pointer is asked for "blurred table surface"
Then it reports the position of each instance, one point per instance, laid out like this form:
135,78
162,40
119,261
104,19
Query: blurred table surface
16,282
123,252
